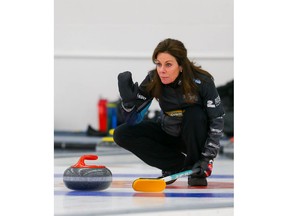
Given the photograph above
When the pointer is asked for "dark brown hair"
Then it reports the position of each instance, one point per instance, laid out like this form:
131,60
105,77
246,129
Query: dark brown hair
177,49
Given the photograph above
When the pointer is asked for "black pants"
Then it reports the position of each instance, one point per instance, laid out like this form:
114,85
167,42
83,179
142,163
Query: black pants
155,147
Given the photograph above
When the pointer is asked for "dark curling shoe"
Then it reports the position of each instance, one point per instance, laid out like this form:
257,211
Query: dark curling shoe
193,181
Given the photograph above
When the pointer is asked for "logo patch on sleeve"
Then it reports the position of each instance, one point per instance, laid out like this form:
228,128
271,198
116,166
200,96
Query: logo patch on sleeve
217,101
210,104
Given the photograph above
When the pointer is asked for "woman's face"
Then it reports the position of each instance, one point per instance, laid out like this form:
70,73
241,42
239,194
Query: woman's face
167,67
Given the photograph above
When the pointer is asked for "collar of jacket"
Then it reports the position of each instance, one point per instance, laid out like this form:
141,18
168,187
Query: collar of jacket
177,82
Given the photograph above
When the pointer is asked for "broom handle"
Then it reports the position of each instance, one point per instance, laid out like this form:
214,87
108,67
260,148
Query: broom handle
179,175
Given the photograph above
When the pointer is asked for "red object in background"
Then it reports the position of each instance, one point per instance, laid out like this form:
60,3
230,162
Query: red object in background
103,115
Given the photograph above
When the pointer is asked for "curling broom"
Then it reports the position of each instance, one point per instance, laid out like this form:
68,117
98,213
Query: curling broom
158,184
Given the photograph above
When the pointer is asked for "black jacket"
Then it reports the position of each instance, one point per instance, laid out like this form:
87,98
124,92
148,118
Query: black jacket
172,100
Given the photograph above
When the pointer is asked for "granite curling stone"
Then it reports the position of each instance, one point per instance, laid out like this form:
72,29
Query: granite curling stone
87,177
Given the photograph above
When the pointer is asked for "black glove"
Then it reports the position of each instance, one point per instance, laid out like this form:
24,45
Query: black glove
127,89
205,165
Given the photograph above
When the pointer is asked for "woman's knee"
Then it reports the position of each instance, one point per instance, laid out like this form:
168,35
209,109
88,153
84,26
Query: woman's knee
118,134
124,135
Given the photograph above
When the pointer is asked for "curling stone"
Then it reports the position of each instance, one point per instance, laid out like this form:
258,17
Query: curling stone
87,177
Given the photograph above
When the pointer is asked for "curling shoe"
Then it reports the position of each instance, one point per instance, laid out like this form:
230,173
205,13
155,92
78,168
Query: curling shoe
193,181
